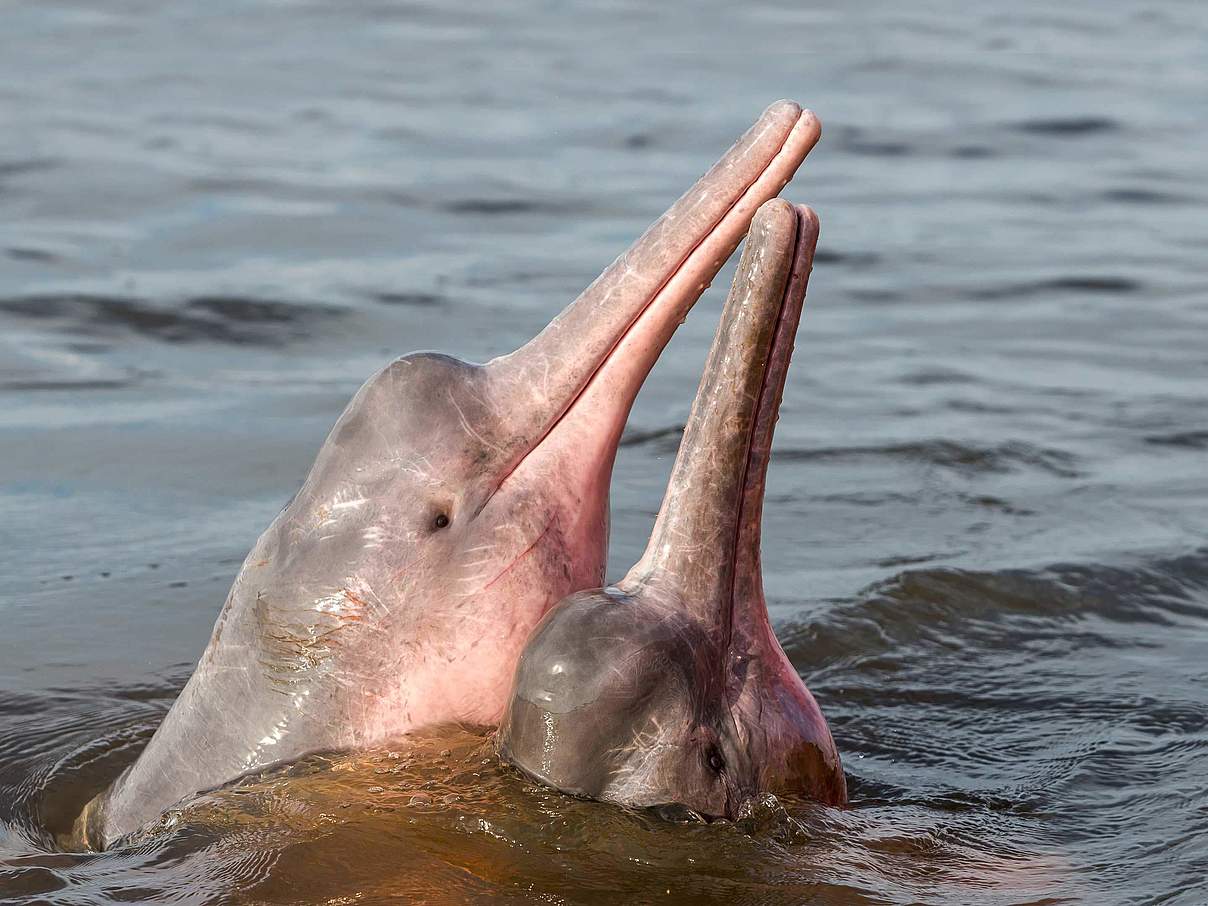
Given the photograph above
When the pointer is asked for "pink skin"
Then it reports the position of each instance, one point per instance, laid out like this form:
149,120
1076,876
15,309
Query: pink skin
449,509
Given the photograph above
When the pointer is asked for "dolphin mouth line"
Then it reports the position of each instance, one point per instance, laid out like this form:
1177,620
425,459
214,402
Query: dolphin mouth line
774,372
608,356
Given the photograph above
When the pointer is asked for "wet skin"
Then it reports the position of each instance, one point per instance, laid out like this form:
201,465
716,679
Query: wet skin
670,687
450,507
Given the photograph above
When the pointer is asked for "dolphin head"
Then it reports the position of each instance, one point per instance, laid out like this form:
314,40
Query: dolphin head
670,687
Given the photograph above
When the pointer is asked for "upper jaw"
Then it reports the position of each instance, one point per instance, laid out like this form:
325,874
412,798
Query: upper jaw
587,365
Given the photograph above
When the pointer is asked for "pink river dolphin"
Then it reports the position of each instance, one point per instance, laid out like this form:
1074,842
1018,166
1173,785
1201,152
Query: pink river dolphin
452,505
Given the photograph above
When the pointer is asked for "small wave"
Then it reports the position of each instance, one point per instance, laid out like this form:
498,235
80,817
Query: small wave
34,385
1142,197
1068,127
930,376
1069,284
496,207
974,152
1014,607
890,562
666,437
246,185
855,141
222,319
1191,440
1005,457
826,255
961,457
21,253
31,165
411,299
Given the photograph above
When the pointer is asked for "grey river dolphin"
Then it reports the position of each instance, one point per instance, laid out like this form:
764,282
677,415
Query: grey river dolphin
450,507
670,688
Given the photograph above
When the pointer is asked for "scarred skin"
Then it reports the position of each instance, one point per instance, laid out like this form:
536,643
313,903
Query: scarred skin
670,687
451,506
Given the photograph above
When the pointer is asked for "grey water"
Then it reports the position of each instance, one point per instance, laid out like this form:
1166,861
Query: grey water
986,534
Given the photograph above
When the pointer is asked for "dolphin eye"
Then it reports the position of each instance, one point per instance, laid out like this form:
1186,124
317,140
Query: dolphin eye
441,521
716,762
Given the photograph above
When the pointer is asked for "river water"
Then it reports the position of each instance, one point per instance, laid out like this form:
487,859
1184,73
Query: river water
986,536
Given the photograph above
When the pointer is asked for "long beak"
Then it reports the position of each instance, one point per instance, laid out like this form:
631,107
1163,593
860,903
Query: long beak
705,543
591,360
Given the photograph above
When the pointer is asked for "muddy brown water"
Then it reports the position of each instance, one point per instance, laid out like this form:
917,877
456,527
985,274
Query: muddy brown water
986,538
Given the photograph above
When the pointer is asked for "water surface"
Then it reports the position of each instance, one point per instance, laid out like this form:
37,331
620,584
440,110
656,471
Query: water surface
986,537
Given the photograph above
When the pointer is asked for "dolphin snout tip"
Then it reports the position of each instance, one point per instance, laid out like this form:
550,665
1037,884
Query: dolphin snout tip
801,216
809,219
784,107
775,225
789,110
774,207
